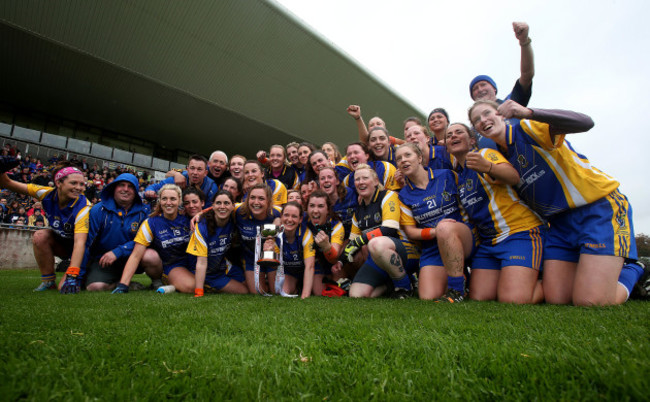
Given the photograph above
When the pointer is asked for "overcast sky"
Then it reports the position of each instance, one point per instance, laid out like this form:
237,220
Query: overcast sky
590,56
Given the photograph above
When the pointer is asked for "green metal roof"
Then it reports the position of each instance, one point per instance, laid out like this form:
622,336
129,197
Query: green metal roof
197,75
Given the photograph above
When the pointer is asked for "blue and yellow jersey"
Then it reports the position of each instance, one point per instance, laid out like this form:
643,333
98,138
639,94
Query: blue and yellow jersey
294,254
425,207
168,238
247,227
554,177
214,247
278,192
439,158
342,169
334,229
385,172
495,208
67,221
390,158
383,210
345,207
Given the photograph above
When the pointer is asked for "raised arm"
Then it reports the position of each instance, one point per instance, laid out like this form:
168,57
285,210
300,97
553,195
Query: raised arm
355,112
527,65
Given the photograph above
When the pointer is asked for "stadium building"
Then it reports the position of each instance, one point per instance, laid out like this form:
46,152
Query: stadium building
147,82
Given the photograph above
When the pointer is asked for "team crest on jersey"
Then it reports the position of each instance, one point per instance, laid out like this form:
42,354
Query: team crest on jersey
446,196
469,184
177,232
621,220
523,162
134,226
378,217
493,157
391,205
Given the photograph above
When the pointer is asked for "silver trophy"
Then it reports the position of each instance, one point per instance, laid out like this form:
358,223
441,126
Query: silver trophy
270,259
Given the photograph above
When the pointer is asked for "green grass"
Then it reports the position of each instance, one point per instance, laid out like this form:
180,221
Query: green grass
143,345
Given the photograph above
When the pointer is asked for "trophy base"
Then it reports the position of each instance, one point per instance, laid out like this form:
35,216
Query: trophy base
268,263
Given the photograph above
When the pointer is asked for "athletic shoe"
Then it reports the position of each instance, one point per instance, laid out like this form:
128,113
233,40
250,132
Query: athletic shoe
641,288
45,286
452,296
401,293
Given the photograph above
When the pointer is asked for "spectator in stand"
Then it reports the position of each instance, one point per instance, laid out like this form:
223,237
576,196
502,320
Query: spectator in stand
37,216
218,167
43,178
3,209
34,207
17,214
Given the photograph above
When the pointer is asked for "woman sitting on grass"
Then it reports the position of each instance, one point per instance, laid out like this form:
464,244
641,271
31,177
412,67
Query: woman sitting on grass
167,232
67,209
431,214
209,243
507,262
375,229
298,250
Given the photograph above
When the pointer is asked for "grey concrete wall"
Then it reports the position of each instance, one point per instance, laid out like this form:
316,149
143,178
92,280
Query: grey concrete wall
16,249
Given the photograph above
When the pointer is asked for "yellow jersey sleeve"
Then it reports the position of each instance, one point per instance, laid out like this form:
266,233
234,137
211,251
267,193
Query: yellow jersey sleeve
144,235
406,216
338,234
279,194
389,177
308,246
197,245
390,211
38,192
81,222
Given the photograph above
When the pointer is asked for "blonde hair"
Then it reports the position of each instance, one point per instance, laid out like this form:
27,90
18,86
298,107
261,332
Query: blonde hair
157,210
373,173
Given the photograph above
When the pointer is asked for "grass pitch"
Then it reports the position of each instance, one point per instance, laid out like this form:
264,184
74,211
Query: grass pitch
144,345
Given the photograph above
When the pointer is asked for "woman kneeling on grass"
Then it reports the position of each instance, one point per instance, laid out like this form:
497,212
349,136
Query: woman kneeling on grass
431,214
67,209
298,250
167,232
507,262
256,211
328,237
591,234
375,228
209,243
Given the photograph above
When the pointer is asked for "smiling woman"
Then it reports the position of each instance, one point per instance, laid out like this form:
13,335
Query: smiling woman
67,209
167,232
590,253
